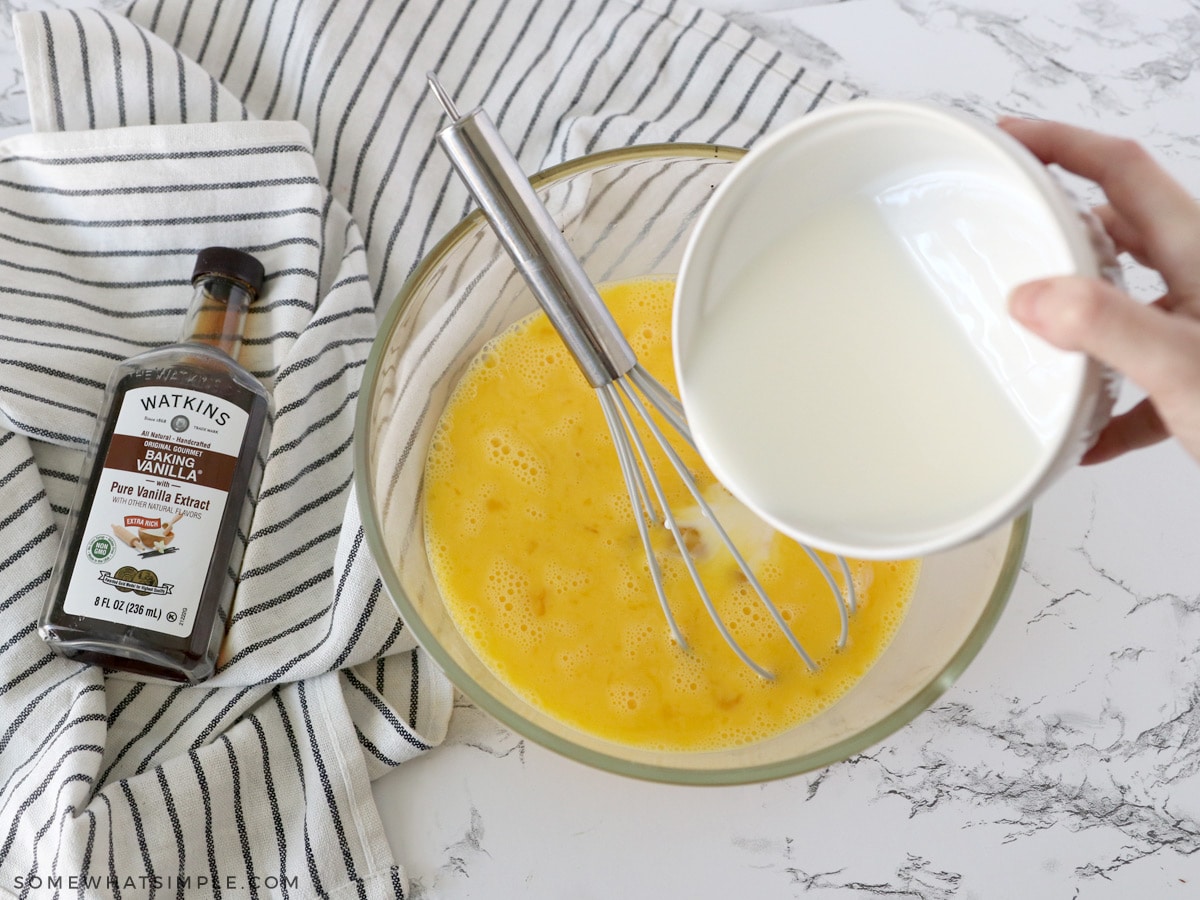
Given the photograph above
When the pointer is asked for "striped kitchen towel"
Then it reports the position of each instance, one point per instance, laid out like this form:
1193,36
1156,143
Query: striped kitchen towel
300,130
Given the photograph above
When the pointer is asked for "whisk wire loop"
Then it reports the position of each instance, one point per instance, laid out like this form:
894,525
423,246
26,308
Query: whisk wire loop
847,599
643,511
685,476
630,435
664,401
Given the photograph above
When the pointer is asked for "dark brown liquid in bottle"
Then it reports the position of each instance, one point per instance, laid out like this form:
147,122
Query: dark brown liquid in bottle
201,364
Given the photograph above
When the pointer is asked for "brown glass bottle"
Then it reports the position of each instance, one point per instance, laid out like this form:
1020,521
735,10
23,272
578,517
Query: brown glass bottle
148,563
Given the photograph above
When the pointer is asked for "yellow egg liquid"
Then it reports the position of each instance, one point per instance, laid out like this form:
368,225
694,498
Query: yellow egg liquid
533,543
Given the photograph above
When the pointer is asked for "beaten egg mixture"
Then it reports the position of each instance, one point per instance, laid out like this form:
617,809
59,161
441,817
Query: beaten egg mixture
533,542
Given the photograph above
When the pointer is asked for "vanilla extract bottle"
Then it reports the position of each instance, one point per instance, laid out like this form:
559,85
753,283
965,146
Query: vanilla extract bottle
146,570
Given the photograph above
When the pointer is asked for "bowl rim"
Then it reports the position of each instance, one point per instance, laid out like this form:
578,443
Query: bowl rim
936,684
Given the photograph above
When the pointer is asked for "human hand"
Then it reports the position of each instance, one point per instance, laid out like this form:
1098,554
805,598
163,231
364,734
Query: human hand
1156,346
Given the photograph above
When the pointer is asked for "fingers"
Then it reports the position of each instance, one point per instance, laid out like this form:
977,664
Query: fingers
1124,236
1157,346
1137,428
1156,350
1155,206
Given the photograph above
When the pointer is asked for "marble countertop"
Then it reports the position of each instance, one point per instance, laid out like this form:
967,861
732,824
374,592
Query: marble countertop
1066,761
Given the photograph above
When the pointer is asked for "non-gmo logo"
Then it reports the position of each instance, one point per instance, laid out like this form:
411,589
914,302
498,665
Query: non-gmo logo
180,423
101,548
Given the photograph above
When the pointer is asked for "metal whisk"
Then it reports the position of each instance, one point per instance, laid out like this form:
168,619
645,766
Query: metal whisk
627,392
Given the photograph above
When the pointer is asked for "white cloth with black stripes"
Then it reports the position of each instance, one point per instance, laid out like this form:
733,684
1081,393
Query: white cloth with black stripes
302,131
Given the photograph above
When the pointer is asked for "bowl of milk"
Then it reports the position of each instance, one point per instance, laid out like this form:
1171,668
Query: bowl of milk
844,352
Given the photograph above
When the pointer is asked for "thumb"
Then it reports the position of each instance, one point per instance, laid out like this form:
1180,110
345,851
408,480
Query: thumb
1153,348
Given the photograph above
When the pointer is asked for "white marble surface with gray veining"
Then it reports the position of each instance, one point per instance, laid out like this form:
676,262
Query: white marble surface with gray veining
1066,761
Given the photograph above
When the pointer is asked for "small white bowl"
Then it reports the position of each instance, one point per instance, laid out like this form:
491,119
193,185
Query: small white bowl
816,387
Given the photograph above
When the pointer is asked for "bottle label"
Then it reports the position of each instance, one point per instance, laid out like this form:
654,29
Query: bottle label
156,515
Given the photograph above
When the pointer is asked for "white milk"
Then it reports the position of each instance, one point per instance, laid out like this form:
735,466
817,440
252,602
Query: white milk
848,395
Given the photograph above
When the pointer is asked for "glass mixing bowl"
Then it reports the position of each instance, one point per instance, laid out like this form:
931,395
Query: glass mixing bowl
626,213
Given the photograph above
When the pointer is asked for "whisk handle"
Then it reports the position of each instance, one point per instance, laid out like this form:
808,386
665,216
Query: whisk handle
536,245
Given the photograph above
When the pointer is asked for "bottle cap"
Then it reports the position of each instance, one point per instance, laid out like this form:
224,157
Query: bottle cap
225,262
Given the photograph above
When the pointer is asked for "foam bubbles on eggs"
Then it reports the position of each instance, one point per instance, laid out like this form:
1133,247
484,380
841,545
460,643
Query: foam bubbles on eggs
508,451
533,543
517,608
